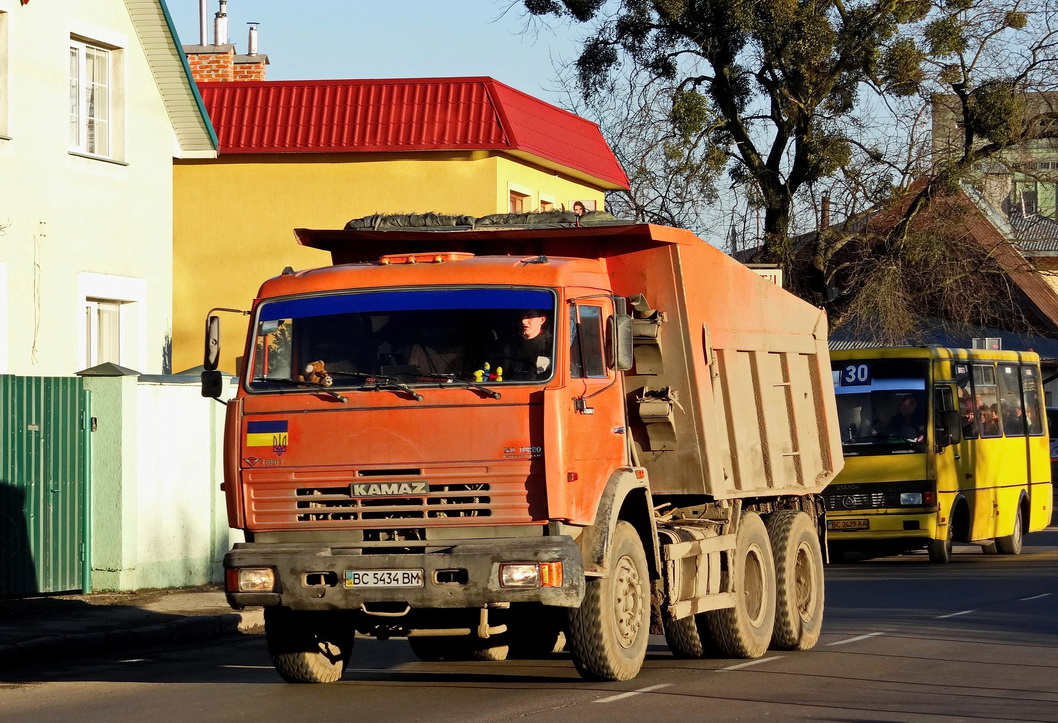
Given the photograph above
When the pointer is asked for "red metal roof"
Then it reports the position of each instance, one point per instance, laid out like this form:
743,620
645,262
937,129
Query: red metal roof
421,114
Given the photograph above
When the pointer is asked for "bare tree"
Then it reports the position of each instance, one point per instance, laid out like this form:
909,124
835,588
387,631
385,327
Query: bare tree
784,102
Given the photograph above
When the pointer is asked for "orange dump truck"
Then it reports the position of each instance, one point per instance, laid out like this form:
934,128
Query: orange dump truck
494,434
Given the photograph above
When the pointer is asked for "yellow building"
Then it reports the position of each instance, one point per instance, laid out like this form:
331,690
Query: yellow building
315,154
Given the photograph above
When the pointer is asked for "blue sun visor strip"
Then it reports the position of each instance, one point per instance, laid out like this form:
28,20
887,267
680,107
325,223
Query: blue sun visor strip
412,300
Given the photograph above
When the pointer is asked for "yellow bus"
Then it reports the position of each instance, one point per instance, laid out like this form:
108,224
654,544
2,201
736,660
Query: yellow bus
941,446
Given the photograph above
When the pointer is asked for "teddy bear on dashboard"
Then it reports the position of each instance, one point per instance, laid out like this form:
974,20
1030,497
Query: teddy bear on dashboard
316,373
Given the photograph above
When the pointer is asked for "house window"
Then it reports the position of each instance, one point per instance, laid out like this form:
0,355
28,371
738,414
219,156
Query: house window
102,331
547,203
113,317
90,98
519,202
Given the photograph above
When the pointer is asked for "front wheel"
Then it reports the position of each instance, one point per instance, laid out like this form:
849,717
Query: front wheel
940,550
798,580
745,630
608,633
308,647
1011,544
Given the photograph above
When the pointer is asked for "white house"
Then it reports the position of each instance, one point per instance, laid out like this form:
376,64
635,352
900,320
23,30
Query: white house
96,100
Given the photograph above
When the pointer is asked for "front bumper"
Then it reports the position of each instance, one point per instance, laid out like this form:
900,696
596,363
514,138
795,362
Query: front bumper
457,573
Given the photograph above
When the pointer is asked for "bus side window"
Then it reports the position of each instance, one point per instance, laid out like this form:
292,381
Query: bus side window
1030,389
986,399
1010,406
967,411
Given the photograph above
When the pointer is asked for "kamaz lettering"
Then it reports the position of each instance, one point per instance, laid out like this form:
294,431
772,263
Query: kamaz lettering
384,489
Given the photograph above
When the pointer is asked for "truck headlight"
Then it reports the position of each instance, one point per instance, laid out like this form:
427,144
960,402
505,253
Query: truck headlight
531,574
911,499
251,579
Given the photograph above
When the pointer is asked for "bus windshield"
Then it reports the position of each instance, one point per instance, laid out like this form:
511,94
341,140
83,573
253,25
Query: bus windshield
359,340
882,405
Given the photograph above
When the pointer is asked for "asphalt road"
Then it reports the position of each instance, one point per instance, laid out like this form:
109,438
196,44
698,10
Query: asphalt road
904,640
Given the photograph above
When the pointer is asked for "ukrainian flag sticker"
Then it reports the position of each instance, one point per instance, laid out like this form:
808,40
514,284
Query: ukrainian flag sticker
268,434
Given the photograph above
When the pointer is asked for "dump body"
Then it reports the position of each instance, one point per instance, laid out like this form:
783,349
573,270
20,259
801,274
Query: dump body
394,455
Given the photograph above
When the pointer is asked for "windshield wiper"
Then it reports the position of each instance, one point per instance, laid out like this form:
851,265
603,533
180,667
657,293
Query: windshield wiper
378,382
295,383
465,382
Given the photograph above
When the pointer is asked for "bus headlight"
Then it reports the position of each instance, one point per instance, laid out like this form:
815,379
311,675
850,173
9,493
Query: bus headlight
911,499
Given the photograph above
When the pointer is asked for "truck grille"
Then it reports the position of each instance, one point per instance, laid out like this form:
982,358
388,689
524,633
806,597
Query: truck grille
300,499
455,500
861,501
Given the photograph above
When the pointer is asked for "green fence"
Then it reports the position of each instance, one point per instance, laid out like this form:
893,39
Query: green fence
45,424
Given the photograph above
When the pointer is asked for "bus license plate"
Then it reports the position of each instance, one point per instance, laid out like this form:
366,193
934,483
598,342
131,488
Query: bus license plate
848,524
383,578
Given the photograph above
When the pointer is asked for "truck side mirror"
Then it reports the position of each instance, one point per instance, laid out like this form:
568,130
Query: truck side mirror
211,357
212,384
622,358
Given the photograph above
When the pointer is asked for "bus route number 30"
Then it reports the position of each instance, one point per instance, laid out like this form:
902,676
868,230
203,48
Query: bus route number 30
855,375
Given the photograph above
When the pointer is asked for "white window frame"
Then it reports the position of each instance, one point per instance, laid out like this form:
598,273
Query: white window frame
131,295
113,43
89,140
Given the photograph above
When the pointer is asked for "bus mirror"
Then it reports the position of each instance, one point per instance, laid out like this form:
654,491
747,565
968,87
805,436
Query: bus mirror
212,384
949,428
954,421
211,356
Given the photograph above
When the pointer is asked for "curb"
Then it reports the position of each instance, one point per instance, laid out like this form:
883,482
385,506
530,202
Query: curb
193,627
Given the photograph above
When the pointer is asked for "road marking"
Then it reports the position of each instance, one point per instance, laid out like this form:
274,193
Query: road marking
1035,597
752,662
133,660
953,615
857,639
630,693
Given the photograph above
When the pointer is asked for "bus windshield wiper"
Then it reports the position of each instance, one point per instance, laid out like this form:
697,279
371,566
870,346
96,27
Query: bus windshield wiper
300,384
377,382
465,382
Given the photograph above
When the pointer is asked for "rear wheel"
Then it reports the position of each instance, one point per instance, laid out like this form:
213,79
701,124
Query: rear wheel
308,647
1011,544
608,632
745,630
798,580
683,638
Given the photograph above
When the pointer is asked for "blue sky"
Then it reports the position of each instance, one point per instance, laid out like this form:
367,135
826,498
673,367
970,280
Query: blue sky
322,39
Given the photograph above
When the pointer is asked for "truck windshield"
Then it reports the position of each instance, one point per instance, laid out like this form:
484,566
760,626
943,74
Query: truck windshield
414,336
882,405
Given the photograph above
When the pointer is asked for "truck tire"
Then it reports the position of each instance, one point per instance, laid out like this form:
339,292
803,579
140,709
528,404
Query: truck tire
745,630
683,638
1011,544
307,647
798,580
608,633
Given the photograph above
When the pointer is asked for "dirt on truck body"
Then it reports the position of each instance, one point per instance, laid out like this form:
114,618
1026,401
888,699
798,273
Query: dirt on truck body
488,435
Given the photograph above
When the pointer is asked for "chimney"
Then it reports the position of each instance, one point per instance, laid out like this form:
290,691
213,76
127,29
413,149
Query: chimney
824,212
220,25
251,42
203,34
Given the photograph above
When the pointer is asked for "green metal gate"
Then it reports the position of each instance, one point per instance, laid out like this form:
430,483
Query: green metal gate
44,485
